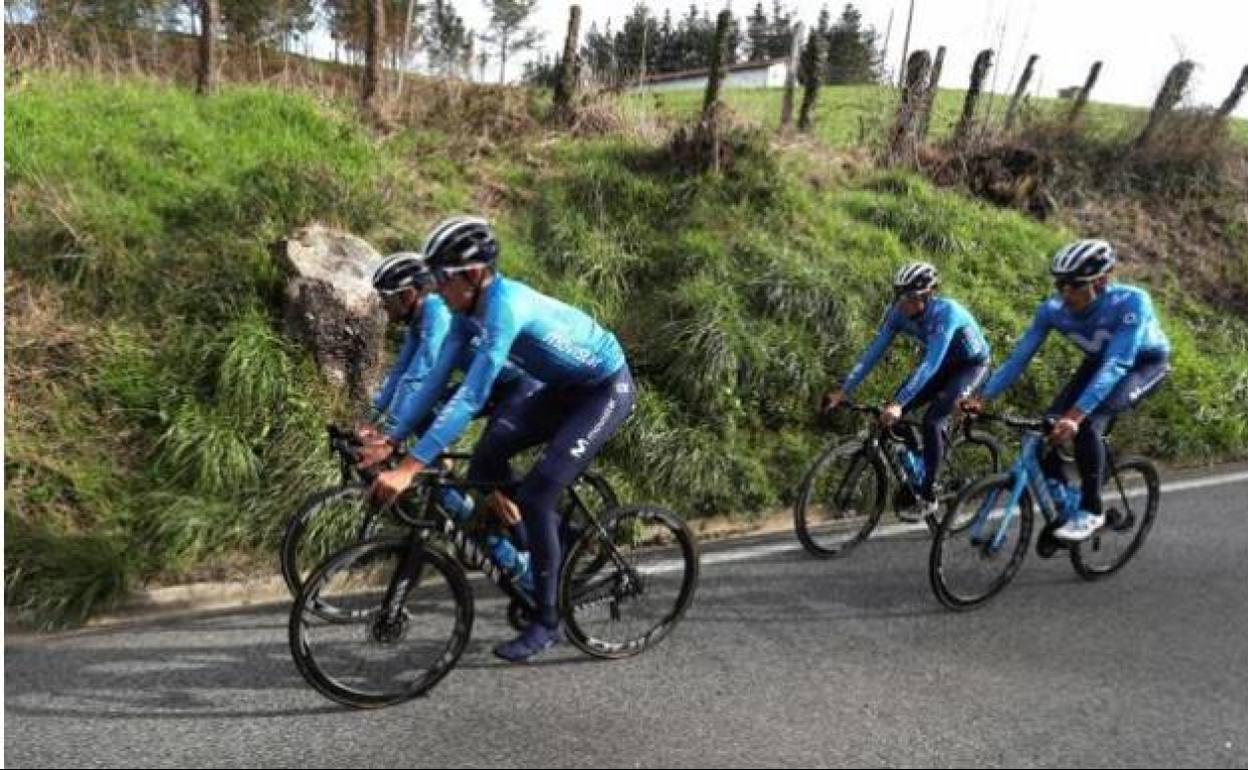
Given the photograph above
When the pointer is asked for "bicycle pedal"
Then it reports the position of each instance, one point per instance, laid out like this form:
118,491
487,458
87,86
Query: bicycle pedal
1046,544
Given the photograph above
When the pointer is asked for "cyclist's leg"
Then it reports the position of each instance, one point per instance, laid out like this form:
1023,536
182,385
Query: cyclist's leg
591,416
962,381
520,418
914,436
1051,462
525,416
1140,383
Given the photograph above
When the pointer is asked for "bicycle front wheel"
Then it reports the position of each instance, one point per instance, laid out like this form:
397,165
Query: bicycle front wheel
623,593
980,543
840,500
1129,500
368,657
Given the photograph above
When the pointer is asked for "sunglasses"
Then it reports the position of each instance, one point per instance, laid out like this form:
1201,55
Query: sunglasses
443,275
911,296
1070,283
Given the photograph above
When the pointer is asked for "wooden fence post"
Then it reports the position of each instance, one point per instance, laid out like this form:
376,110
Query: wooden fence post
902,142
1017,99
979,72
929,96
1081,100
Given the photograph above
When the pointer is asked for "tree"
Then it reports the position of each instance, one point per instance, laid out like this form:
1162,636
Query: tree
824,26
637,41
758,34
668,59
401,33
853,56
732,48
542,73
117,14
372,51
697,35
277,23
597,53
507,31
446,37
780,32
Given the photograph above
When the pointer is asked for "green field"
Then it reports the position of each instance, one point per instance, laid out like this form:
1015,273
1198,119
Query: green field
846,114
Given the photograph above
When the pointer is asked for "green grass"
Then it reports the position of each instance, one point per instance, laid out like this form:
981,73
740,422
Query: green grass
162,427
846,115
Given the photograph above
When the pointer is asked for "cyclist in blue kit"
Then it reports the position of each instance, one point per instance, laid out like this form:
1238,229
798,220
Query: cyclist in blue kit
587,394
401,407
955,363
405,286
1127,358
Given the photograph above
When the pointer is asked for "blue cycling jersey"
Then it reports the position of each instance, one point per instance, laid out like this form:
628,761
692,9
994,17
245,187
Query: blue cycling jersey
551,341
1116,329
459,346
420,349
946,329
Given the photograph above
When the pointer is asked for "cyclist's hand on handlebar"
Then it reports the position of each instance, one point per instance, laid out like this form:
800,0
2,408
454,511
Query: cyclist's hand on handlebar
392,483
973,406
890,415
373,453
831,401
1065,428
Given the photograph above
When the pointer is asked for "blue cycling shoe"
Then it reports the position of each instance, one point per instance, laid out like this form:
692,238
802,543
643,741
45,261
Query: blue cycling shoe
535,639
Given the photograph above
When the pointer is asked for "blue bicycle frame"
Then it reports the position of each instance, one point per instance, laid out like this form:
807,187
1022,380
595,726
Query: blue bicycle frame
1027,475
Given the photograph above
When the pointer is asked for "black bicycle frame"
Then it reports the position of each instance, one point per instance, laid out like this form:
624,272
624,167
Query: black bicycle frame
434,519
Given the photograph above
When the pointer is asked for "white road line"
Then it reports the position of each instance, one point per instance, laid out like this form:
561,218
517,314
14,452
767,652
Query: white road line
894,530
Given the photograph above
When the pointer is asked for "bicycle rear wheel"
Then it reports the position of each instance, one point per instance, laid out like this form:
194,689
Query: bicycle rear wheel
326,524
978,548
1129,499
363,659
840,500
589,496
619,601
969,458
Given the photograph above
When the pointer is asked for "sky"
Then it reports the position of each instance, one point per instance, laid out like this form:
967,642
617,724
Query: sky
1138,41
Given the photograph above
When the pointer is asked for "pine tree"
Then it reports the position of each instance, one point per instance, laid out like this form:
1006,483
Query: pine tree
780,32
758,32
852,53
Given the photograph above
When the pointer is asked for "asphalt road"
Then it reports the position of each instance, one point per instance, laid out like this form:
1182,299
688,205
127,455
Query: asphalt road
783,661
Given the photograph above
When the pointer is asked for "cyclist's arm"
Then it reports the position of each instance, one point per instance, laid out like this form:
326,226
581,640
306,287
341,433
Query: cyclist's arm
937,349
501,330
1016,364
420,399
435,327
1119,357
872,357
385,397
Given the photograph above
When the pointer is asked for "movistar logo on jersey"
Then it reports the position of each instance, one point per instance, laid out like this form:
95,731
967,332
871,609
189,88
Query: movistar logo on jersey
582,444
1094,345
569,348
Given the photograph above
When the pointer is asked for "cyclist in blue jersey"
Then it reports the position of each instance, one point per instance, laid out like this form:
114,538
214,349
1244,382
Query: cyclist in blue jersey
405,286
401,407
1127,356
955,362
587,395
